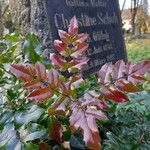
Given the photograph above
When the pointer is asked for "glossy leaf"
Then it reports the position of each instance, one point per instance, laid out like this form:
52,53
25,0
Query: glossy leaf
56,131
23,72
73,27
85,119
41,83
32,48
115,95
12,139
105,73
30,115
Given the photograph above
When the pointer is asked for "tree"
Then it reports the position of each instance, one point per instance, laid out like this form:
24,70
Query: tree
134,9
123,6
141,17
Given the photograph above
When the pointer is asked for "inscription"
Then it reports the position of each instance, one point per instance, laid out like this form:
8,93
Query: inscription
100,19
86,21
100,35
85,3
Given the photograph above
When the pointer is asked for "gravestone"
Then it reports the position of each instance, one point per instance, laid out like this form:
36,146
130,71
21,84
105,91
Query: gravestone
100,19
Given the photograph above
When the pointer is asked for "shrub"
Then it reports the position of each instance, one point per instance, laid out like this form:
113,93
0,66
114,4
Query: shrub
74,105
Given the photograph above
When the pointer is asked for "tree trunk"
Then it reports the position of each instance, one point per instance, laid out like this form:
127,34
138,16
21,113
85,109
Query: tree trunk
30,15
1,24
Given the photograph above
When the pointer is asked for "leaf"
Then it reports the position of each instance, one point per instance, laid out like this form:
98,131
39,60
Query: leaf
126,86
78,64
59,106
31,47
31,132
82,37
13,37
85,119
41,83
118,69
31,146
58,62
122,77
64,36
40,71
60,47
41,94
135,72
12,139
8,138
141,68
105,73
22,71
114,95
56,131
79,50
30,115
73,27
6,116
43,146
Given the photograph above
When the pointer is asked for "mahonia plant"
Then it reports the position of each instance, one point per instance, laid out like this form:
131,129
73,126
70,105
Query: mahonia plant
114,81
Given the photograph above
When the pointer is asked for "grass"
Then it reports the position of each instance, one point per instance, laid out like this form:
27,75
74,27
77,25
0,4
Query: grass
138,50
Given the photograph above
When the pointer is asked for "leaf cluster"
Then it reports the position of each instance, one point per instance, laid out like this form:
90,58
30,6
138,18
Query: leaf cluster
56,98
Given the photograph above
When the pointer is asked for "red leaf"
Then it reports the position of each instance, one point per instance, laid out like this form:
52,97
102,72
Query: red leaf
135,79
126,86
105,73
40,71
135,72
73,27
42,146
141,68
56,132
64,36
60,46
34,84
57,61
118,69
79,50
82,37
23,72
41,94
114,95
85,119
59,106
53,79
93,100
78,64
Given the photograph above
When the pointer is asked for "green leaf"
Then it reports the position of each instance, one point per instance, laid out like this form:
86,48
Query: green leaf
31,146
30,114
66,135
32,132
14,37
31,48
5,116
10,139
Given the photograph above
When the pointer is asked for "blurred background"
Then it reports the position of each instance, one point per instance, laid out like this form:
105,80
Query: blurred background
135,16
